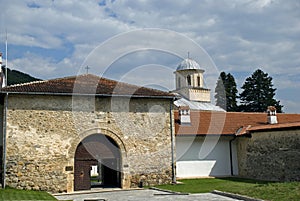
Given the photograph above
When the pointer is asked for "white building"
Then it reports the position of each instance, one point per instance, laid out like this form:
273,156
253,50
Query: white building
201,149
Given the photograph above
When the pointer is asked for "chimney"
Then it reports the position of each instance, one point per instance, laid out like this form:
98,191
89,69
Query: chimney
272,118
184,115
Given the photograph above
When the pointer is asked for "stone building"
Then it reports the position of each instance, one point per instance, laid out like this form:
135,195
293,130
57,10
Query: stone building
271,152
56,131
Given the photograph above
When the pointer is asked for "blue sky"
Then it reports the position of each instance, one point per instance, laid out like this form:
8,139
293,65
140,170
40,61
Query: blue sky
51,38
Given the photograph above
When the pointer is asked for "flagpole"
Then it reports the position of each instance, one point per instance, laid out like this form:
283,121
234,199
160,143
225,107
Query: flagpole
6,59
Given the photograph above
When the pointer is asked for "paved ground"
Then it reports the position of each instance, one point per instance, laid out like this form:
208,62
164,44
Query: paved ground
142,195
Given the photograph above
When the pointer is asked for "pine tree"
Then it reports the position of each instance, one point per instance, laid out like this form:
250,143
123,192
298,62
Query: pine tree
226,92
220,94
231,93
258,93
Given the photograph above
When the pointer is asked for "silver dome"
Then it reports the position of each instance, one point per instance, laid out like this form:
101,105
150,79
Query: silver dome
187,64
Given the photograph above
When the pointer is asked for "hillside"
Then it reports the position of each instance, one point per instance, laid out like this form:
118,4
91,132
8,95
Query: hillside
17,77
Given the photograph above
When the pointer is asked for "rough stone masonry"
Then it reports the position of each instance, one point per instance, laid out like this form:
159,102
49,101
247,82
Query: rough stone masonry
43,132
270,155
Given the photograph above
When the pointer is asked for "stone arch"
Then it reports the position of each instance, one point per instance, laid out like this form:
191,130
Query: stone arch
103,131
118,142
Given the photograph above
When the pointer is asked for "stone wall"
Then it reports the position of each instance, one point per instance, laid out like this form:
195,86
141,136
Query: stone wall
271,155
43,133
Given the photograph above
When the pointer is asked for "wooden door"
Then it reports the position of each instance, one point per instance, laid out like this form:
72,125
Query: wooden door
82,177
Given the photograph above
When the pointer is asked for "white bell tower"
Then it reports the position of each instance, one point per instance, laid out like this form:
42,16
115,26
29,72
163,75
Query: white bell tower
189,81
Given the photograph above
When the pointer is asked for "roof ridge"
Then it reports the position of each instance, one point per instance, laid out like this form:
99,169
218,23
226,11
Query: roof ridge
135,85
73,76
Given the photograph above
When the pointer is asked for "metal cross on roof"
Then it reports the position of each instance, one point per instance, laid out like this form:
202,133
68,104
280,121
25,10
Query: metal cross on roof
87,69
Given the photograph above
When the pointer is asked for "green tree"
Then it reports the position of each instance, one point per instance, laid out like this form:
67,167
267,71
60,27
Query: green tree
220,94
18,77
231,93
258,93
226,92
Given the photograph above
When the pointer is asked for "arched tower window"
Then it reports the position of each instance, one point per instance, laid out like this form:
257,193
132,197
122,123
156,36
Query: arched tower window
198,81
179,82
189,81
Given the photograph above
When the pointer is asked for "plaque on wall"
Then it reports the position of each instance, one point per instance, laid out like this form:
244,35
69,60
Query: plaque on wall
69,168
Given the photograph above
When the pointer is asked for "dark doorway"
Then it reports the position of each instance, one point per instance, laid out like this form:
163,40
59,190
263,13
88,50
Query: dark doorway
110,173
97,163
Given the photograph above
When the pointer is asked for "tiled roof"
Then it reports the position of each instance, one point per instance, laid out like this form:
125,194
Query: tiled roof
231,123
279,126
85,84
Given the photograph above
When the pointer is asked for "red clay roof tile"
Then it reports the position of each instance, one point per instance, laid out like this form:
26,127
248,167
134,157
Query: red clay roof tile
274,126
229,123
85,84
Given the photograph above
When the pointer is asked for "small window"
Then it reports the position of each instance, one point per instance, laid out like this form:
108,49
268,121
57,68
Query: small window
198,81
188,78
179,83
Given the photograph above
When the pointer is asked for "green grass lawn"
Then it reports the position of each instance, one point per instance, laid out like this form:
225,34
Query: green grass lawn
14,194
274,191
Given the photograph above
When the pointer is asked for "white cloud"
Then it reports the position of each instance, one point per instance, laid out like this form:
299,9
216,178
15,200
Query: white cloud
34,65
240,36
49,25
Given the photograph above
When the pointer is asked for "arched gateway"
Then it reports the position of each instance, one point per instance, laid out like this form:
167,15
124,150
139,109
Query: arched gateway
97,163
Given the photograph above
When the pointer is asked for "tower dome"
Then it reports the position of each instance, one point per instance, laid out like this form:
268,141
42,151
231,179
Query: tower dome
190,82
188,64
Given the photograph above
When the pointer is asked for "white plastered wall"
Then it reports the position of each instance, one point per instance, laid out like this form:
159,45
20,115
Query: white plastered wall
205,156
